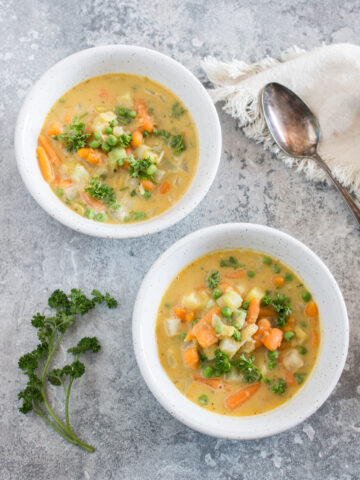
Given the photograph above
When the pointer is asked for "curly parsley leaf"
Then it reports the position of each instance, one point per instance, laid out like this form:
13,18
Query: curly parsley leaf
177,142
251,373
281,305
141,168
163,134
213,279
74,136
177,110
222,363
278,386
231,262
102,192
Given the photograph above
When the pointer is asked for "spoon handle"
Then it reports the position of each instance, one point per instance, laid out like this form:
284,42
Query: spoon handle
349,200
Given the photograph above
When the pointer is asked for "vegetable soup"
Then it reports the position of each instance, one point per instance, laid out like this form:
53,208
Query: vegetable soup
118,148
238,332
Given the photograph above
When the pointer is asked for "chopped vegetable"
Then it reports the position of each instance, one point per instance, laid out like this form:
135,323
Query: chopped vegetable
238,398
177,143
281,305
213,279
74,136
102,192
124,115
231,262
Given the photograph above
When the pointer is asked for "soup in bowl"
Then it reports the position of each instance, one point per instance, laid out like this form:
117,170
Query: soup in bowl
118,141
240,331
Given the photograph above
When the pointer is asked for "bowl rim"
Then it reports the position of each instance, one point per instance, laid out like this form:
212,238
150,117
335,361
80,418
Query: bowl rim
74,221
163,398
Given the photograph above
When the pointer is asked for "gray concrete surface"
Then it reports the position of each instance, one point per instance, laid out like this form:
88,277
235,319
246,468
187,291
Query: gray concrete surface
112,408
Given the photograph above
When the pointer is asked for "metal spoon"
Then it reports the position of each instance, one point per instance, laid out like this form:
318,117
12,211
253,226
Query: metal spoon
296,130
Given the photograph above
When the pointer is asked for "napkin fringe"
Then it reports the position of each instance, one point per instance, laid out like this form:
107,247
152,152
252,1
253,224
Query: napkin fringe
242,104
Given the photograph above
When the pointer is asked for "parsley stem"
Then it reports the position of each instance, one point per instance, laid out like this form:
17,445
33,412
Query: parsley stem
67,405
71,439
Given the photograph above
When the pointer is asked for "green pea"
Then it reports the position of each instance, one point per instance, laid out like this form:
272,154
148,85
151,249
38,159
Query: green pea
147,194
151,169
289,277
59,192
226,312
216,293
97,136
113,123
203,399
306,296
250,274
105,147
276,269
112,140
289,336
302,350
245,305
127,219
218,328
90,213
237,336
208,372
273,355
132,113
267,260
101,217
94,144
108,130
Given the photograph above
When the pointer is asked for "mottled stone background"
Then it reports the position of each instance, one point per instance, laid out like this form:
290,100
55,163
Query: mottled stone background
112,408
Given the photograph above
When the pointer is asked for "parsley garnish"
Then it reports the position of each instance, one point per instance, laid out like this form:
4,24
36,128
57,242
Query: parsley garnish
137,215
251,373
213,279
139,168
50,333
164,134
74,136
299,377
177,143
124,115
101,191
231,262
124,140
222,363
177,110
281,305
278,386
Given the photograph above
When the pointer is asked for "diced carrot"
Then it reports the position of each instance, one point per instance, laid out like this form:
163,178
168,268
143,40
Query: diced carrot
264,325
191,358
137,138
238,273
67,118
206,336
143,116
289,378
226,286
148,185
164,188
45,166
93,158
240,397
314,338
311,309
92,202
180,312
287,328
50,152
83,152
273,339
190,316
55,129
253,310
206,320
63,183
214,383
103,93
290,320
128,151
267,311
278,280
126,164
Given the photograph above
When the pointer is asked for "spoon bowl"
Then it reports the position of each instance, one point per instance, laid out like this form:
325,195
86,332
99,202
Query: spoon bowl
296,130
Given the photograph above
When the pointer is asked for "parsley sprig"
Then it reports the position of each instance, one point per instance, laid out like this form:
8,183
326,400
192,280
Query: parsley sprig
51,331
142,168
74,136
231,262
213,279
177,142
281,305
100,191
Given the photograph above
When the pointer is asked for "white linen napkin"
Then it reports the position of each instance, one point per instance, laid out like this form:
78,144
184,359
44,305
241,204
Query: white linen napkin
326,78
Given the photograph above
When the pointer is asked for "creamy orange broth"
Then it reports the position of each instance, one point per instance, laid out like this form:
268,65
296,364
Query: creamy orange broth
134,200
306,330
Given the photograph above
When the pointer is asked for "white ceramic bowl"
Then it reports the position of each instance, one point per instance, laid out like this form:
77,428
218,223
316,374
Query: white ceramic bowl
319,280
113,59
